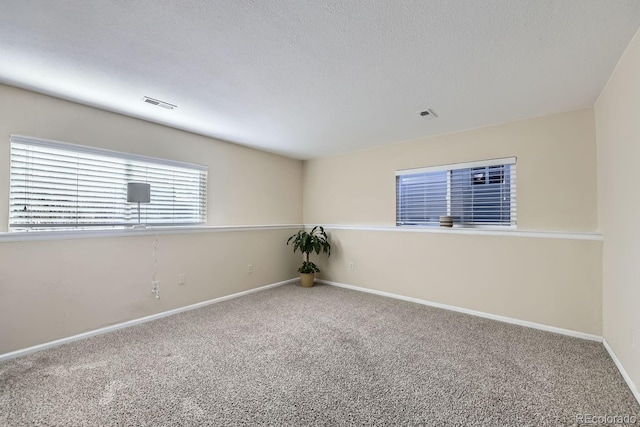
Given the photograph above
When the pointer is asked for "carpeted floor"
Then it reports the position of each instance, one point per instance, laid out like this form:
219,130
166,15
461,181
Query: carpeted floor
319,356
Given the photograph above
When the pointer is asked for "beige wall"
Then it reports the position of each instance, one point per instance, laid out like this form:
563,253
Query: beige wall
555,282
245,186
556,173
57,288
617,114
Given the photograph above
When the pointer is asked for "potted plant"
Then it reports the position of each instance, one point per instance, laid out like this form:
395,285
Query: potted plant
308,242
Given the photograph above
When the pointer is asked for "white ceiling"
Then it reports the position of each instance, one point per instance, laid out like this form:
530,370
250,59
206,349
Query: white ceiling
318,77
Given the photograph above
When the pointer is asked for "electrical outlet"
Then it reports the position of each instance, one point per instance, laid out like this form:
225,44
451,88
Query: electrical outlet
182,279
351,266
155,288
249,268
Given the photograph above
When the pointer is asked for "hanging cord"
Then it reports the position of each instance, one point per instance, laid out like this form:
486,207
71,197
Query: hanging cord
155,283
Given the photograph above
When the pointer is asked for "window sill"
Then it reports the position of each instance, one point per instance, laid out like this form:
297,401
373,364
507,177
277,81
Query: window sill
20,236
478,231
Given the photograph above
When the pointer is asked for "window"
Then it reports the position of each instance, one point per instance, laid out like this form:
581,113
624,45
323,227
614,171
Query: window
57,185
474,194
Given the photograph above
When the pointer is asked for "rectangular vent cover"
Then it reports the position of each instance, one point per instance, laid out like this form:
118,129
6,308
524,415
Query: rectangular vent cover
159,103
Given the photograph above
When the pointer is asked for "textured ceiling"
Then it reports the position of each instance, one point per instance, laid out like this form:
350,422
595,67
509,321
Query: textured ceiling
316,78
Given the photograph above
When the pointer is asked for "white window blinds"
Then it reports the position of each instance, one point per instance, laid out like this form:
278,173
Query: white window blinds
474,194
58,185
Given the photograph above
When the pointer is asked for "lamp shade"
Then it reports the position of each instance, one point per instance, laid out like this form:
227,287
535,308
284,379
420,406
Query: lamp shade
138,192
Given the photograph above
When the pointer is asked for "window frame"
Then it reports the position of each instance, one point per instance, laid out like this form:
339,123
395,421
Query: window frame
449,168
115,156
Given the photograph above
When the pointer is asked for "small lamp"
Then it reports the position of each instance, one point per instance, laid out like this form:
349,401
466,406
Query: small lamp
138,192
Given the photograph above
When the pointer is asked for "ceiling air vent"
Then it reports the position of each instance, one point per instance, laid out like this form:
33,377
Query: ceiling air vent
159,103
428,114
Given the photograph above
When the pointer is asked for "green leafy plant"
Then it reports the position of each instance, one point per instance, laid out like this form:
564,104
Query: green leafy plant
307,242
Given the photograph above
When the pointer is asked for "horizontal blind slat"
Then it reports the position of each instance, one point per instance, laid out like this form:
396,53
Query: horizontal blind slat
481,195
55,185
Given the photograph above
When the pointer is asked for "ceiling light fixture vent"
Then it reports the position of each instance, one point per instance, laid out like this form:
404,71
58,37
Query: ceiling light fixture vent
159,103
428,114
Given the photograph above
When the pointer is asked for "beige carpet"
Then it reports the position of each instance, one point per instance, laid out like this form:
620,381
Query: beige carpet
319,356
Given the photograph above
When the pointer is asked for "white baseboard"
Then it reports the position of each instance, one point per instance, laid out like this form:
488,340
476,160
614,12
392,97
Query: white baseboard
472,312
505,319
111,328
626,376
50,344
